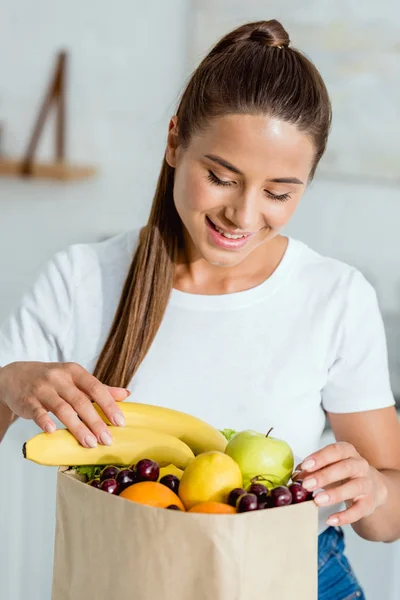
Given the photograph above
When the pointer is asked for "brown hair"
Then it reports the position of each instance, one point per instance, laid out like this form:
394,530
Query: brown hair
252,70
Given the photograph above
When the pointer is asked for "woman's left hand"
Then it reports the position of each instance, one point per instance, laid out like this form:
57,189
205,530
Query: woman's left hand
344,476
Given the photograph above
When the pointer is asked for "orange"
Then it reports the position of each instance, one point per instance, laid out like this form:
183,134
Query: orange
213,507
152,494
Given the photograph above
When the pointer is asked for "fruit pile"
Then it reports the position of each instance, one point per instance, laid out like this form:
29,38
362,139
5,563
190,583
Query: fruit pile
147,484
168,459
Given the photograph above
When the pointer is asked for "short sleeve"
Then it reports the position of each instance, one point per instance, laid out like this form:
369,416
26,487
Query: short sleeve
37,328
359,378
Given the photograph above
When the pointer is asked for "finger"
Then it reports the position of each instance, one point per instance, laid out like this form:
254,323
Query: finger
99,393
344,469
41,417
299,475
361,508
119,394
87,413
328,455
351,490
67,415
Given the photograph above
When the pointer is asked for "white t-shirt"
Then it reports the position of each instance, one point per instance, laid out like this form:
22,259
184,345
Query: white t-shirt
307,340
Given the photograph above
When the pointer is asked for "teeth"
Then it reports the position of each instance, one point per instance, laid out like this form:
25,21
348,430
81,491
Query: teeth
230,236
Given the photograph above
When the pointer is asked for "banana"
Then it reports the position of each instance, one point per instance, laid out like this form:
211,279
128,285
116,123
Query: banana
197,434
130,444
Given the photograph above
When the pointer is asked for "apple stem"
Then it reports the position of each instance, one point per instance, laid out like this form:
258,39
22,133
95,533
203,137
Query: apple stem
269,432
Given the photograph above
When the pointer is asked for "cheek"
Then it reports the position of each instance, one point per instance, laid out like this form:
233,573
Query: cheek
279,213
193,193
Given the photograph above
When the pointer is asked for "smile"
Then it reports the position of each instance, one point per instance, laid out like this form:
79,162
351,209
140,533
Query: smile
226,239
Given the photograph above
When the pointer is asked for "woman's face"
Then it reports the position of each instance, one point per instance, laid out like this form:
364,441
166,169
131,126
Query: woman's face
237,184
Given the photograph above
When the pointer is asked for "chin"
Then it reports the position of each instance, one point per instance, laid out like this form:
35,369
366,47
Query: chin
230,260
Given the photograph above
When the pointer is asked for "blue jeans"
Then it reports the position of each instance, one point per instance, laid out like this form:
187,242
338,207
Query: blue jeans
336,580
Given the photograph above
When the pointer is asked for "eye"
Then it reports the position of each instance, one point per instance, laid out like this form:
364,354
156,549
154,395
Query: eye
278,197
216,180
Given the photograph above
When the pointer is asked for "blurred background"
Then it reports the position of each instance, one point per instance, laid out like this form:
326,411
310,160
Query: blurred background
127,64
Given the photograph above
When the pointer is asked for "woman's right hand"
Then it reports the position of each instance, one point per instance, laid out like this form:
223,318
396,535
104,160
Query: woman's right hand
32,390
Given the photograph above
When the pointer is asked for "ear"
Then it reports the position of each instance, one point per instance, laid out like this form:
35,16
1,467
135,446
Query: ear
172,142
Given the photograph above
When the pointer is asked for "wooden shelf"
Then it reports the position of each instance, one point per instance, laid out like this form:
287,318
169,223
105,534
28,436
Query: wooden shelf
61,171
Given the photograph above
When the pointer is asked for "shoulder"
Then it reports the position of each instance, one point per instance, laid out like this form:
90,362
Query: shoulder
112,255
329,275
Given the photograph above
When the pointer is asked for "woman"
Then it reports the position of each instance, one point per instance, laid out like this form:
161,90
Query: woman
219,314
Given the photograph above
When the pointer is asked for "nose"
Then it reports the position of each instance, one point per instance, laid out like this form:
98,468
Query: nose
243,212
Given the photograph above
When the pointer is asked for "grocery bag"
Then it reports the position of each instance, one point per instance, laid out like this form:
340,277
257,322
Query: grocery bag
108,548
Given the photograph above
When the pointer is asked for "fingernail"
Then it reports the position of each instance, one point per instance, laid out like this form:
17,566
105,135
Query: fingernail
119,419
309,484
309,463
321,499
50,427
105,438
90,441
332,521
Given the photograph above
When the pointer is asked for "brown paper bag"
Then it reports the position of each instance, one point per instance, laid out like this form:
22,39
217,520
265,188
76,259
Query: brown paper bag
108,548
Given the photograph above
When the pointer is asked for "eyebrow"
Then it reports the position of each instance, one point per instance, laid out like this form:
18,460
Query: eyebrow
230,167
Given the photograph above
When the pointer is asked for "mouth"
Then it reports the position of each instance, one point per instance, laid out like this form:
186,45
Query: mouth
226,239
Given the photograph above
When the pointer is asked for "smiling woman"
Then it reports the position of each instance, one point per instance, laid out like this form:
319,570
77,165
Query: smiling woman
211,310
236,186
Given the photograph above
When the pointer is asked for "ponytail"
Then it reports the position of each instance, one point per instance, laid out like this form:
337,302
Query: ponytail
146,290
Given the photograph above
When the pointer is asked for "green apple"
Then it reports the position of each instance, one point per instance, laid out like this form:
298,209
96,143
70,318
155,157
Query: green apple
261,458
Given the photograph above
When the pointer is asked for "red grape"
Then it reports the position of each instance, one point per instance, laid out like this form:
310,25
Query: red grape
299,494
96,483
109,473
171,481
125,478
235,495
247,502
259,490
147,470
280,496
110,486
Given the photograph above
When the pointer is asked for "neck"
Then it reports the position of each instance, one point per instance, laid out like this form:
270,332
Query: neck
194,275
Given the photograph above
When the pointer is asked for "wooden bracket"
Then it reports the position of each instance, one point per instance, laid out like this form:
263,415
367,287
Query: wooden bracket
59,168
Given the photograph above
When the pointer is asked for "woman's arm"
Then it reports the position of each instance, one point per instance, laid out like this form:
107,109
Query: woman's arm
376,436
362,469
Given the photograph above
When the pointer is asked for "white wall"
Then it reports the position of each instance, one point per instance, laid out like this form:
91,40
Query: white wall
127,66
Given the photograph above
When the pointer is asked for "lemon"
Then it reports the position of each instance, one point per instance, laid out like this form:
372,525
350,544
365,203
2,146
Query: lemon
210,477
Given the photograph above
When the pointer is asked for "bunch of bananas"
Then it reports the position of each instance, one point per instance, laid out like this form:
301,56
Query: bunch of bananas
161,434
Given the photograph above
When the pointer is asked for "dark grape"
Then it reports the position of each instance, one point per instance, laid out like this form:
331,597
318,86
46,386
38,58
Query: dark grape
109,473
173,507
171,481
110,486
280,496
247,502
147,470
125,478
96,483
262,505
235,495
299,494
259,490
